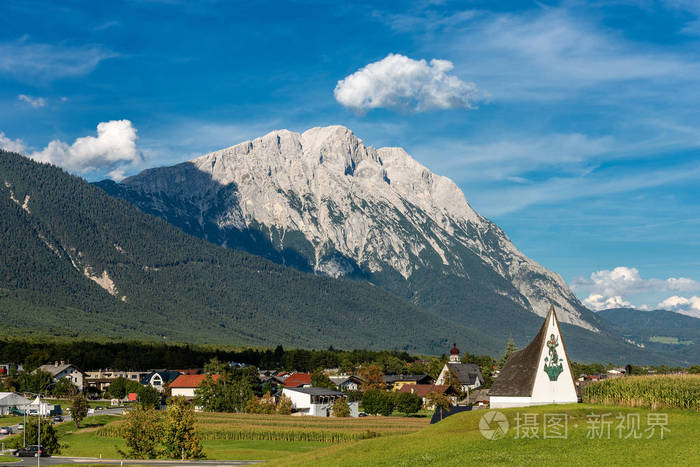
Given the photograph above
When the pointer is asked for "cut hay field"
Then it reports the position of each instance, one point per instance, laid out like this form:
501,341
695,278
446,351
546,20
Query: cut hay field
253,437
457,441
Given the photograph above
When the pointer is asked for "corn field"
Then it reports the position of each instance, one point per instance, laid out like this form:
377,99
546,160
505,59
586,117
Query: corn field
238,427
654,392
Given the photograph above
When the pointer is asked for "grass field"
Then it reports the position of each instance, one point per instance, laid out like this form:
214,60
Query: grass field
669,340
454,441
244,427
457,441
251,437
10,420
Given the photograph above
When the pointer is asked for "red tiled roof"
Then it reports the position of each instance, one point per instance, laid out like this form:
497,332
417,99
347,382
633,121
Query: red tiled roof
297,379
424,389
190,381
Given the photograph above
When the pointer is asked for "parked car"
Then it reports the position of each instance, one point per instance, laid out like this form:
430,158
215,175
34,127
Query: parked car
5,430
58,419
20,427
31,451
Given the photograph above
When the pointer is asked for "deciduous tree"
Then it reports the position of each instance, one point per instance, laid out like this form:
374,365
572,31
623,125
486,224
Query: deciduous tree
149,397
79,409
284,405
49,437
180,438
408,403
371,377
341,408
64,387
320,380
142,431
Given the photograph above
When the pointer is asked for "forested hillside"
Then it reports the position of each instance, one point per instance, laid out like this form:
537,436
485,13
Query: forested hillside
76,261
657,329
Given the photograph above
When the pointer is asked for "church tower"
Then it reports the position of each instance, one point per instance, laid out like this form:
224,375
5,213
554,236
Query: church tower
454,354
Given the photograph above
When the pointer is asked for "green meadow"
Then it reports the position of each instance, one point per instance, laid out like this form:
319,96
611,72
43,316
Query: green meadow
586,434
457,441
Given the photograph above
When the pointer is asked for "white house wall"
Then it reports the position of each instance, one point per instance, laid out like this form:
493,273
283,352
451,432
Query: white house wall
300,401
185,392
561,391
503,402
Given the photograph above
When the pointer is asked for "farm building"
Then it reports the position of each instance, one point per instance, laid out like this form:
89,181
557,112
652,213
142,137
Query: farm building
10,401
538,374
316,401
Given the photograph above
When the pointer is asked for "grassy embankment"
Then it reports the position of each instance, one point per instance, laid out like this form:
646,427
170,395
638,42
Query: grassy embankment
457,440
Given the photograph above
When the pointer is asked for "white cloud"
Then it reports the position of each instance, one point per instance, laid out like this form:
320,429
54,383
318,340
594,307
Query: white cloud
114,147
35,102
598,302
401,83
686,306
624,280
16,145
612,289
45,62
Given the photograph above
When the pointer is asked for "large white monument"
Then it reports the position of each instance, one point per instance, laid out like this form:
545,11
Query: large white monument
538,374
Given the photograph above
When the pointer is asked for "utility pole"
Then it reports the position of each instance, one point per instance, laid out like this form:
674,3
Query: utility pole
38,434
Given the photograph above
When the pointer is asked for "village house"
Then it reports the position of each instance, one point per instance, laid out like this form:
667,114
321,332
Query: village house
347,382
185,385
538,374
396,382
298,380
467,375
479,398
159,379
64,370
101,379
316,402
424,390
10,401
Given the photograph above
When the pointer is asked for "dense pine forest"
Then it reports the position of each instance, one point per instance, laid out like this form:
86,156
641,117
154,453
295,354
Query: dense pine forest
79,263
160,284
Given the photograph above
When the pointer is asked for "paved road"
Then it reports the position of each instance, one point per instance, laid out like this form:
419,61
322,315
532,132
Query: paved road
67,418
31,461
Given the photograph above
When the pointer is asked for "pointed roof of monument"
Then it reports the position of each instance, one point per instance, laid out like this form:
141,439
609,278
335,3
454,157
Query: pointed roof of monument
517,377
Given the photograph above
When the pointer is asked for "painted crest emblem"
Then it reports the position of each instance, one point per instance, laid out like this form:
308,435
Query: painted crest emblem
553,364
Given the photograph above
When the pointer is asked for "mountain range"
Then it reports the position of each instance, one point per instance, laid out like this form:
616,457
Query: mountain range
77,262
323,202
305,240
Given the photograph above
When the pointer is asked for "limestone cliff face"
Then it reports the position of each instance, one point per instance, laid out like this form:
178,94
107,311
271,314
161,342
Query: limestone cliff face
325,202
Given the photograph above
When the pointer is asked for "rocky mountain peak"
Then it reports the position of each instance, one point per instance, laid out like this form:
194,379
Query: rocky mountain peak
344,208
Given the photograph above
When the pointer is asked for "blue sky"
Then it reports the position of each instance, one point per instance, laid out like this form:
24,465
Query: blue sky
574,126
